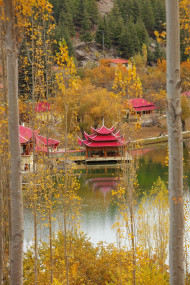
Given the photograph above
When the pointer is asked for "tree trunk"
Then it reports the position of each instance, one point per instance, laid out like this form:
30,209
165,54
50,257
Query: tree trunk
16,209
175,186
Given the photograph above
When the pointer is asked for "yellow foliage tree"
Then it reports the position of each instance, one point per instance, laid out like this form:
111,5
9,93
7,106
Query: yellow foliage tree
127,82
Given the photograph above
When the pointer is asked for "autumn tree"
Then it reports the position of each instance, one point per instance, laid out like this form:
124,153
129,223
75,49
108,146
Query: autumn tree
185,27
175,186
16,208
95,105
127,82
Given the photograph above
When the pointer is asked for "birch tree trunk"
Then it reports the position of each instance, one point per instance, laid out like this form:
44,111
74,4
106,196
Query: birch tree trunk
176,254
16,209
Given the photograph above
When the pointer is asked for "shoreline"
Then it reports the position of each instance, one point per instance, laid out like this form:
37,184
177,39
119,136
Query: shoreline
160,139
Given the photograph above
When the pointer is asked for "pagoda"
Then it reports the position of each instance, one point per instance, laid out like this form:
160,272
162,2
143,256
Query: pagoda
103,143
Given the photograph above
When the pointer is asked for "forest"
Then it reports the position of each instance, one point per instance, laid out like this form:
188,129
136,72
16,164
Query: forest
126,27
39,66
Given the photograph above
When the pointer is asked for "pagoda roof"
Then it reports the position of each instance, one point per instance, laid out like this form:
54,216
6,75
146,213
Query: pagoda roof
89,143
101,138
103,130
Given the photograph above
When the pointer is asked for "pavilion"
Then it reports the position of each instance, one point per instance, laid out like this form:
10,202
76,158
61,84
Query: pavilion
103,144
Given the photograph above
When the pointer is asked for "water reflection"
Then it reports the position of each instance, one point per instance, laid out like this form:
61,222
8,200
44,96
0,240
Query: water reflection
98,212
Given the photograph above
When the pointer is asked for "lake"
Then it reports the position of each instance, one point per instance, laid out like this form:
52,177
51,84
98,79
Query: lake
98,211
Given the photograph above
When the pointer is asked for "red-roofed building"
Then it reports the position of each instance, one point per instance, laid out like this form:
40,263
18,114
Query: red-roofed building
42,110
140,107
103,143
46,145
117,61
26,143
42,144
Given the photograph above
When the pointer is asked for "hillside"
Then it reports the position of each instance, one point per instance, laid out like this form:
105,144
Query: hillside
120,27
104,6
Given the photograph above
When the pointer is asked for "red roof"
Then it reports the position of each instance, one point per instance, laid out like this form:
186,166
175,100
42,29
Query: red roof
103,130
26,134
118,61
102,144
97,138
43,142
46,141
42,107
187,93
140,104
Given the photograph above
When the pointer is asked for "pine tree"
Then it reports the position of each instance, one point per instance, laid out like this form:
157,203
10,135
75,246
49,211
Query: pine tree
126,43
92,9
142,33
116,25
148,15
159,14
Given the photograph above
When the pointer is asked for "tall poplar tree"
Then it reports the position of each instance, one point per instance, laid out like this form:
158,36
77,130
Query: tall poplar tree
16,205
176,254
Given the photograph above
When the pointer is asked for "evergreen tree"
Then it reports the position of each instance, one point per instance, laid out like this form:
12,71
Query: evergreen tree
148,15
136,10
159,14
125,8
135,39
158,53
126,43
116,25
64,13
92,9
102,33
142,33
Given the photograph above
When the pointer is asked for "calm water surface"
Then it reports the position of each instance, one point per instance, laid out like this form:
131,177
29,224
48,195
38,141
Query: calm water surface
96,183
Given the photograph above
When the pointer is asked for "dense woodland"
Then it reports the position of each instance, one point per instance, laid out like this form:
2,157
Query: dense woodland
128,25
40,37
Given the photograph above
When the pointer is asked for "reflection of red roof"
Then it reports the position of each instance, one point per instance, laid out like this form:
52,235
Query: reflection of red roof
140,104
42,107
102,137
118,61
26,134
140,151
104,184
